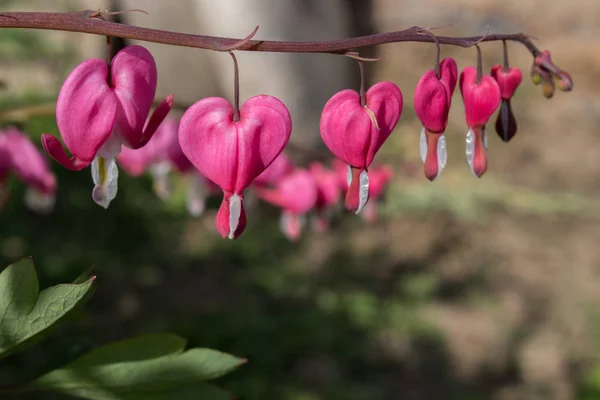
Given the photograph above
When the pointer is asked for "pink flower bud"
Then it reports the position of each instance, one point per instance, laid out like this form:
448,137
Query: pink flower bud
508,81
233,153
296,194
99,109
481,99
433,98
354,132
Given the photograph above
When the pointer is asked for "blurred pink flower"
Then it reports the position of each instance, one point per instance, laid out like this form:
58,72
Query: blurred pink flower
296,194
19,156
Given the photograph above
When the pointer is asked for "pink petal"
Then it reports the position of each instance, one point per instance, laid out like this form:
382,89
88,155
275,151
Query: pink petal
264,129
385,100
55,149
295,193
346,128
508,81
480,99
432,103
29,164
208,138
157,117
449,74
134,78
85,112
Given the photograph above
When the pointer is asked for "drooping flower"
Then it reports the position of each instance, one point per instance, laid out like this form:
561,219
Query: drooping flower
101,108
328,194
296,194
20,157
481,97
380,178
355,128
433,98
232,151
508,79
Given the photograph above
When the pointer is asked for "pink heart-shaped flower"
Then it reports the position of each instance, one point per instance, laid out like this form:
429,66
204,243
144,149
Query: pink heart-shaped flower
350,132
233,153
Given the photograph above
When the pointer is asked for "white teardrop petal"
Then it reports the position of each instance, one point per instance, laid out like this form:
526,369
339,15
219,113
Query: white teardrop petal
442,154
235,210
423,145
485,139
363,194
470,148
105,175
349,176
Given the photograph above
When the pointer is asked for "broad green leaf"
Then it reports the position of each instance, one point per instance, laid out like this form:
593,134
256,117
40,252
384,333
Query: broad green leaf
146,367
25,313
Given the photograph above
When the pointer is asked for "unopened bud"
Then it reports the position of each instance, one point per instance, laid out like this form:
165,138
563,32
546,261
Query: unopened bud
564,82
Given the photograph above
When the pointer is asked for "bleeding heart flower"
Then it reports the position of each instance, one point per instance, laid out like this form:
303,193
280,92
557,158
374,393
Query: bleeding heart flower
380,177
508,80
433,98
296,194
328,194
233,153
354,129
102,107
274,172
21,157
481,97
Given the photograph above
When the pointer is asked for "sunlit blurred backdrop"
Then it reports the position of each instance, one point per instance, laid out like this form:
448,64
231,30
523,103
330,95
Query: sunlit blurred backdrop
462,289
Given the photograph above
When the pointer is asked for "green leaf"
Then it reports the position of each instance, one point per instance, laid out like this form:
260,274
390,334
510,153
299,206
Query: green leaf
26,313
146,367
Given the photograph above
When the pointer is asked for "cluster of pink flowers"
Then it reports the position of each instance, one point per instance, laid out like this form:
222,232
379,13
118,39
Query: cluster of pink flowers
21,158
102,114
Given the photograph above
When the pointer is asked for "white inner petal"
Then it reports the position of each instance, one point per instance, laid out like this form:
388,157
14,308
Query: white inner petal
363,194
39,202
349,176
423,145
442,154
112,147
470,148
105,175
235,210
485,139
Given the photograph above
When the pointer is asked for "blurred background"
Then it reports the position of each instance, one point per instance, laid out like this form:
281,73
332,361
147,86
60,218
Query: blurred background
463,289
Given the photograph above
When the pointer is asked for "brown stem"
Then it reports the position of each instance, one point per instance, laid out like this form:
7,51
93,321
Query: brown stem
479,65
236,89
505,67
361,67
439,50
83,22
